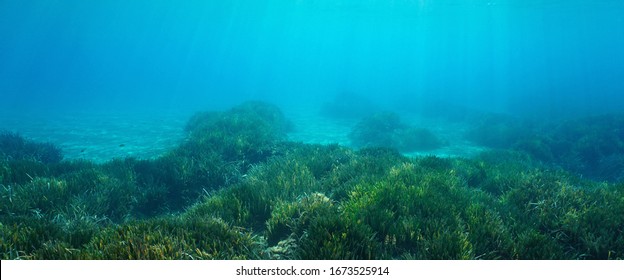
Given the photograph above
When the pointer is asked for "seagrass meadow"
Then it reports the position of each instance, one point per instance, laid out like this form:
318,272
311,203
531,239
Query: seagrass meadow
237,188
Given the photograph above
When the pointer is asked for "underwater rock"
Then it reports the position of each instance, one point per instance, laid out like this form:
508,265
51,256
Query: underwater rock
284,250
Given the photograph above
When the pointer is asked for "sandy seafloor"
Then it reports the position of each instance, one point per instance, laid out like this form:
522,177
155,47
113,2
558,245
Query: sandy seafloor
100,137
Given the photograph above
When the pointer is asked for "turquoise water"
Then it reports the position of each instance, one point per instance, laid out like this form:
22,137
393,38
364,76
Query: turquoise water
67,64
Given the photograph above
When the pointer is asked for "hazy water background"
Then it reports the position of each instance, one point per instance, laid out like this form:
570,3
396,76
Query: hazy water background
123,62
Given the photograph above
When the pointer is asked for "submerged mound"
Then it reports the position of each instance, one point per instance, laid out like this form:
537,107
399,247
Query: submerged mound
220,149
14,147
248,131
591,146
387,130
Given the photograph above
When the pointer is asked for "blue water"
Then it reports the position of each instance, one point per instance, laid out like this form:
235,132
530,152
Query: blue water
534,58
